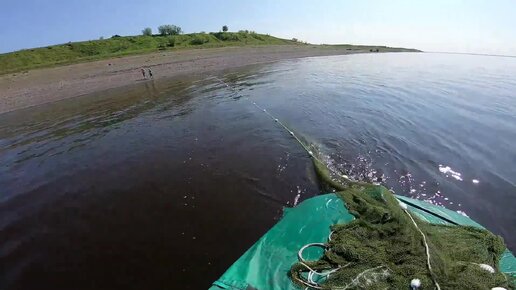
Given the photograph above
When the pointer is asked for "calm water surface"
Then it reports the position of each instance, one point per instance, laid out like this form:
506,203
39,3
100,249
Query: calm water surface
164,184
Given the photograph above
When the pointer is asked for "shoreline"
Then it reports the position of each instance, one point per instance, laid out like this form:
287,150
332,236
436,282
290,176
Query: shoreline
46,85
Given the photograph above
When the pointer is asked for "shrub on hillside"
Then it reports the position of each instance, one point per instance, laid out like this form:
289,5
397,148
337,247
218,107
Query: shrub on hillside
169,30
199,39
256,36
171,42
225,28
87,49
147,31
226,36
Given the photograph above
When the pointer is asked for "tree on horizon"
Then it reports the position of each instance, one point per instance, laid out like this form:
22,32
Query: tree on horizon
147,31
169,29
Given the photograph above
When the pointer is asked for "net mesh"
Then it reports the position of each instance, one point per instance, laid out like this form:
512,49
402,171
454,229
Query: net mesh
383,249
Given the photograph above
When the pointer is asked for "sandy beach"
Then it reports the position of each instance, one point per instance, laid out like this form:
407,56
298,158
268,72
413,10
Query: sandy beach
35,87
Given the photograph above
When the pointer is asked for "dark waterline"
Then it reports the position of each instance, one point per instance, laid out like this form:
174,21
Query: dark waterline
164,185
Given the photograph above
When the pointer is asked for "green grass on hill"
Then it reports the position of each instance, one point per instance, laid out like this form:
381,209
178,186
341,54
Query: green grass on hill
74,52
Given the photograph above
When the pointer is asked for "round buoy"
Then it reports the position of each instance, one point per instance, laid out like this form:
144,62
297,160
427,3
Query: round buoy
487,268
415,283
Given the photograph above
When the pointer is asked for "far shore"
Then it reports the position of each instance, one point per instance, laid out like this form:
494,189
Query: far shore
26,89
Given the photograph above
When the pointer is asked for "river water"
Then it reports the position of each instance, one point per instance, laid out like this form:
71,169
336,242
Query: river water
165,183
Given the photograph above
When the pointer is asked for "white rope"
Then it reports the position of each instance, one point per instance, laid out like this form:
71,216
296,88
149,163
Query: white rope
356,280
429,265
311,272
308,284
300,252
327,273
331,234
286,129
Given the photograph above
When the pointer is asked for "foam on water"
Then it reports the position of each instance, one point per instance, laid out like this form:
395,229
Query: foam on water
450,172
361,169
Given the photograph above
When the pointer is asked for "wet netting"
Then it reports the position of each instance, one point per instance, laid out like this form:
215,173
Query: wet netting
386,247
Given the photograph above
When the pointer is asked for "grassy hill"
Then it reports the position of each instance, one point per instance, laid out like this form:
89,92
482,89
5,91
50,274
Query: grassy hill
75,52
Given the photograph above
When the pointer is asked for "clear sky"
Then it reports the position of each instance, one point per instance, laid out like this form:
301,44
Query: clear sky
433,25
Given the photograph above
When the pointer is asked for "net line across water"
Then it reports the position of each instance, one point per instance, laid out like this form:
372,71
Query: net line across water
285,127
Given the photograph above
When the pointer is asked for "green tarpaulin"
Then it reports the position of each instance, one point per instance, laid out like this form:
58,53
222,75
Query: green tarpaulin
267,263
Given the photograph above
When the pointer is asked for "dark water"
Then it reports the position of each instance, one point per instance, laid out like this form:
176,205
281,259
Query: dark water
163,185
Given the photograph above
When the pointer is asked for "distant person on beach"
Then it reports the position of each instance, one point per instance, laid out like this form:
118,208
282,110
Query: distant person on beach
143,73
150,74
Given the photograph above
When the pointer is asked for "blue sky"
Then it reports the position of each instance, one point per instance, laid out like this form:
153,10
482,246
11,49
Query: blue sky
435,25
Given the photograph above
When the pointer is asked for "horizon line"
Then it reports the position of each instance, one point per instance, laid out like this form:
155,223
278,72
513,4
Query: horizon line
471,53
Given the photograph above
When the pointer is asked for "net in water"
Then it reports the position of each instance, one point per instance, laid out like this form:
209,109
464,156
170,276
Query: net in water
386,247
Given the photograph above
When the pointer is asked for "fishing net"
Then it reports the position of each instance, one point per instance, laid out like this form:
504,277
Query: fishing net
386,247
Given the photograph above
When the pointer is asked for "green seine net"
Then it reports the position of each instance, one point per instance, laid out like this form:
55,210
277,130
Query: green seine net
383,249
